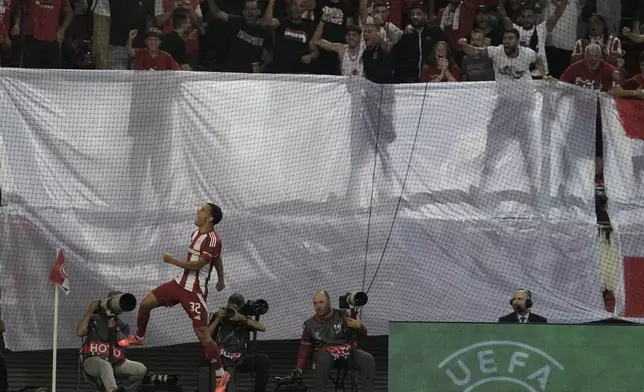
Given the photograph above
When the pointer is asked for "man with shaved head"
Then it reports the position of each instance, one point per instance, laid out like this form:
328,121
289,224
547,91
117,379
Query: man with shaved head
594,73
521,303
327,338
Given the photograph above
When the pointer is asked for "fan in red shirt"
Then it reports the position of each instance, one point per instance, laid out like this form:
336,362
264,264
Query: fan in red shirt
151,58
596,74
633,87
441,66
6,24
190,288
592,72
163,11
44,33
457,21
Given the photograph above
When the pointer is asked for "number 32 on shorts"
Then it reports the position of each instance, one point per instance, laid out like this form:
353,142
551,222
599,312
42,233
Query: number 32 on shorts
195,307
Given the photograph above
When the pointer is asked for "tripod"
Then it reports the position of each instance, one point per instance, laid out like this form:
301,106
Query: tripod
352,343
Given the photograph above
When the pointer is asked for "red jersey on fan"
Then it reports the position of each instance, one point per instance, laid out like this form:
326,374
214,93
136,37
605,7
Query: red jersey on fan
208,247
6,11
634,83
579,74
143,61
43,16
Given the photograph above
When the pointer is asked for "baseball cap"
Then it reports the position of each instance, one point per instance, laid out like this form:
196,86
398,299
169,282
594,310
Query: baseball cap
153,32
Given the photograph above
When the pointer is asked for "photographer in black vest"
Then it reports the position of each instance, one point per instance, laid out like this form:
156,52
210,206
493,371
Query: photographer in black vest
231,329
328,336
102,358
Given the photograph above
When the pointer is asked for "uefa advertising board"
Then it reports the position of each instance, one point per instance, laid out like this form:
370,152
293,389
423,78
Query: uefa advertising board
486,357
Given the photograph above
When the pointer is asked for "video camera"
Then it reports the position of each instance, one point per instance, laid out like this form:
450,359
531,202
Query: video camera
117,304
350,301
251,308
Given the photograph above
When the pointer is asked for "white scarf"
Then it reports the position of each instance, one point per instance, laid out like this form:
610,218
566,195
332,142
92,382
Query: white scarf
457,13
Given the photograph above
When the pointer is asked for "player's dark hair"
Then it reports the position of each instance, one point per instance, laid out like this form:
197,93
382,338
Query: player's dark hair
512,31
216,213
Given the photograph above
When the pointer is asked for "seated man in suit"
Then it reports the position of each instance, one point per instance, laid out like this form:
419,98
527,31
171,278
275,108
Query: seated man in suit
521,303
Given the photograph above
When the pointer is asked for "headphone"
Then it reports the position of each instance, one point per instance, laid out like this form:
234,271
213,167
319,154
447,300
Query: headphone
528,301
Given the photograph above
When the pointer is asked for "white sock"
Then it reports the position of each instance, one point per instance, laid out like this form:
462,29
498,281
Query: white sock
139,338
219,372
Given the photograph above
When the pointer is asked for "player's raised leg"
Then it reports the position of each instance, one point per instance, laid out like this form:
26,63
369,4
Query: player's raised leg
163,295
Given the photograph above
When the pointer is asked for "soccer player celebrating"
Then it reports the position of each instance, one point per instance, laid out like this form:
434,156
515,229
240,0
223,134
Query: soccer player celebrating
190,288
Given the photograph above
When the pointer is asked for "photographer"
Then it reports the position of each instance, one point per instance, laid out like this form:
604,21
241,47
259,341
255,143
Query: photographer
230,328
329,336
103,359
4,385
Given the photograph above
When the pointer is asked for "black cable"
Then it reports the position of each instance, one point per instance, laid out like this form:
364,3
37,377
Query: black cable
402,191
373,181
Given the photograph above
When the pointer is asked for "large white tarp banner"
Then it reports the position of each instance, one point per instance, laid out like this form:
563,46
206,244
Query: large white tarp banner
462,193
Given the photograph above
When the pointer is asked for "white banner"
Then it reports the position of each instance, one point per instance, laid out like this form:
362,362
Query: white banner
111,166
624,172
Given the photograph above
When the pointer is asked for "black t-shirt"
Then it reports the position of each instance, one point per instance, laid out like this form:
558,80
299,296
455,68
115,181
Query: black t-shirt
174,44
247,43
291,43
496,35
126,15
336,28
378,65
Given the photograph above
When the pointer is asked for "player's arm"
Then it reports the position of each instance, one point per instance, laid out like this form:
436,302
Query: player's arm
189,265
219,267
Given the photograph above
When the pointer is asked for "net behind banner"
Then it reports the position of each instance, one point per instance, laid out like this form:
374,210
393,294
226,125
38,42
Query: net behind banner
439,201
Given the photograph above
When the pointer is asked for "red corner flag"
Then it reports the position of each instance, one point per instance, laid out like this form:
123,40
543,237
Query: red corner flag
58,273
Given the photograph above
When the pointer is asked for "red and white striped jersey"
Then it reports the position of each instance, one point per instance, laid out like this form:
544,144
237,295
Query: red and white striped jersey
208,247
611,46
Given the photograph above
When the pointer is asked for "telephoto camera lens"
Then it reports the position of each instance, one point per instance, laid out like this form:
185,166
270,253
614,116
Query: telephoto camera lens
230,312
161,379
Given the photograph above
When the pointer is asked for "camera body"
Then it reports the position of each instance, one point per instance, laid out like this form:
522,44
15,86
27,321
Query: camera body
251,308
351,301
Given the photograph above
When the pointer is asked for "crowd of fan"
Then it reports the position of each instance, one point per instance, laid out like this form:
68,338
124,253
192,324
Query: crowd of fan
348,37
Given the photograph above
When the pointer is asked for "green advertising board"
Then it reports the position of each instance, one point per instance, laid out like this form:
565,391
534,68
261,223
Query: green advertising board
485,357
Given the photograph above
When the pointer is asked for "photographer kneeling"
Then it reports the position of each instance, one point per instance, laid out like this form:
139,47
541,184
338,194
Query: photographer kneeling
103,359
329,335
230,328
